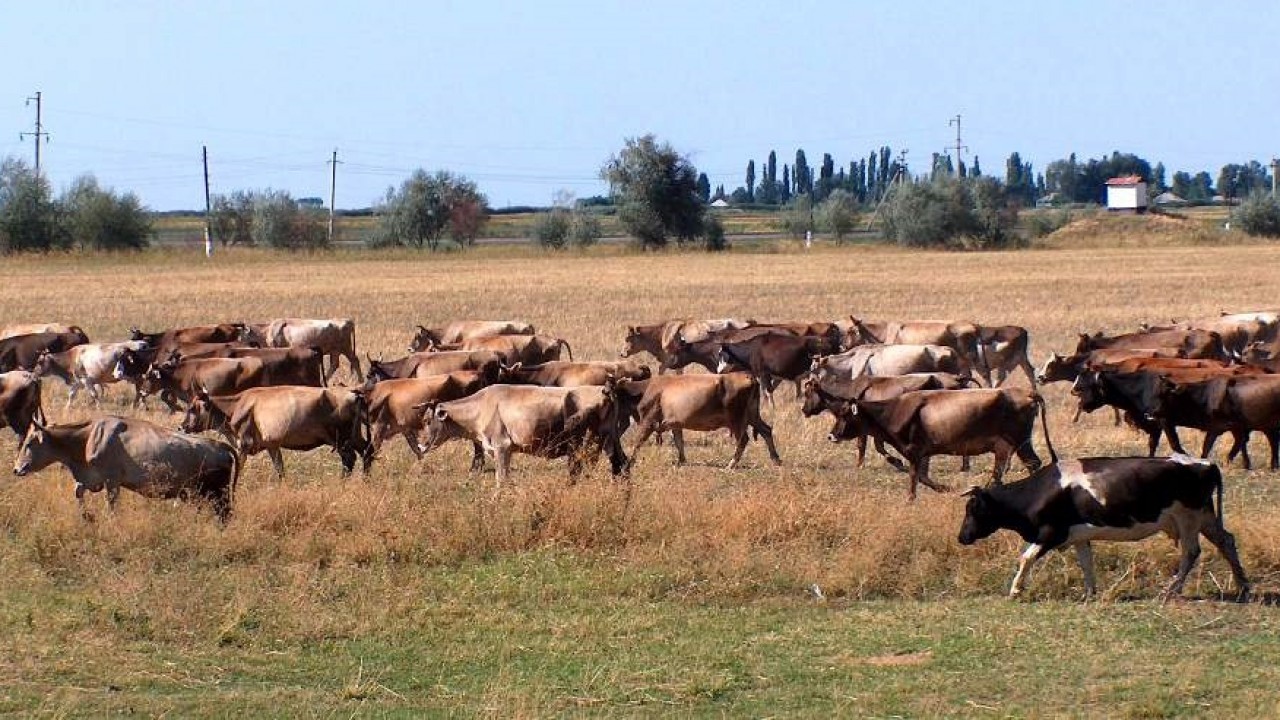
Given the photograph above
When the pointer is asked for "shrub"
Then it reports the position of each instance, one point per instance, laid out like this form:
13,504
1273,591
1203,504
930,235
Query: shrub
838,214
427,207
278,222
551,229
971,213
584,229
99,219
713,237
798,218
29,217
1259,214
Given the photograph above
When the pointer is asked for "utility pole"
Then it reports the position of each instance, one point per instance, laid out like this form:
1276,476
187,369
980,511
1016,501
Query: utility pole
959,147
333,190
39,133
208,206
899,176
1275,170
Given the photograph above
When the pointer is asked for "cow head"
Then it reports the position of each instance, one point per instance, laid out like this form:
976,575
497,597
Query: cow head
44,364
378,370
725,361
35,453
813,401
982,515
437,428
848,426
423,338
1056,368
202,414
1089,391
632,343
507,372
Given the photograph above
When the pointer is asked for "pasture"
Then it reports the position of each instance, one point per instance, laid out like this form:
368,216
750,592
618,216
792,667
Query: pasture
810,589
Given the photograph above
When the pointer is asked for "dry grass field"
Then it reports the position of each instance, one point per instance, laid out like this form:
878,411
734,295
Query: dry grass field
418,590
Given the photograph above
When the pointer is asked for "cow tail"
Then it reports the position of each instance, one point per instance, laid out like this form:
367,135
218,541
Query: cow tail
566,347
1044,427
980,355
1217,481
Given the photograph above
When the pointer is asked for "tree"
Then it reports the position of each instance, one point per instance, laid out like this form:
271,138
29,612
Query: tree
838,214
279,222
751,181
655,189
785,187
1259,214
429,206
1201,187
976,170
971,213
551,228
704,187
802,179
826,178
1157,179
1182,184
98,219
232,218
29,218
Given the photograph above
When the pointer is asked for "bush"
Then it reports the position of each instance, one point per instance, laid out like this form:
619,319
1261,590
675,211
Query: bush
838,214
798,217
1259,214
232,218
551,229
427,207
29,217
713,237
966,214
278,222
1045,222
584,229
98,219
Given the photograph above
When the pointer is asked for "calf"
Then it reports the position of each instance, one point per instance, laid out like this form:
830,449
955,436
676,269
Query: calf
19,400
116,452
698,402
1074,502
572,423
925,423
288,418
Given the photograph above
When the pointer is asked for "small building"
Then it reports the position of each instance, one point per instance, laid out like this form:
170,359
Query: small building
720,203
1127,193
1168,199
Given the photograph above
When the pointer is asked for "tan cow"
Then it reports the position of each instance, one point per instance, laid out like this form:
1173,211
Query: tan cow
178,380
34,328
288,418
660,340
561,373
960,336
528,349
395,406
334,337
86,367
574,423
19,400
699,402
113,452
890,360
426,364
463,330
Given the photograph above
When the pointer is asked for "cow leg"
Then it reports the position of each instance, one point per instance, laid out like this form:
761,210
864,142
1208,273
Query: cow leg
1084,558
1225,542
1273,439
1027,454
1189,542
1025,364
740,434
1000,462
1115,413
765,430
277,461
113,495
1026,561
646,428
354,361
677,439
84,511
862,448
964,463
889,457
347,455
920,474
477,456
410,440
71,395
502,465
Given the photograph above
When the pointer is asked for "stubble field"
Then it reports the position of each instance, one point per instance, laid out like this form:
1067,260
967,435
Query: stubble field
417,589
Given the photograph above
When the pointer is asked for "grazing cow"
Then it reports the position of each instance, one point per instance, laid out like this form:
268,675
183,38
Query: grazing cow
395,406
288,418
1195,344
575,423
463,330
87,366
1003,349
1074,502
573,374
834,395
19,400
925,423
178,380
425,364
35,328
528,349
890,360
771,358
334,337
23,351
112,452
698,402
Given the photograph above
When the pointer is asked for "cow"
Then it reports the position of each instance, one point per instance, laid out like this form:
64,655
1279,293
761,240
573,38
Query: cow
661,339
771,358
23,351
1238,404
272,419
166,341
698,402
573,374
1003,349
112,452
1194,344
959,336
528,349
1060,368
1237,331
19,400
87,366
424,364
335,338
462,330
191,351
890,360
395,406
925,423
834,394
1074,502
176,380
35,328
576,423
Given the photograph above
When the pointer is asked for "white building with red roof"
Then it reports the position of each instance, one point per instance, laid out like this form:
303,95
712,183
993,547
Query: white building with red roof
1127,193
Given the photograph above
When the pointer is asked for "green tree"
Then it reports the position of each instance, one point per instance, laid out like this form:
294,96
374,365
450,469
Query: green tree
976,170
1259,214
655,189
551,228
29,217
751,181
99,219
704,187
971,213
279,222
802,178
838,214
1157,179
799,219
232,218
429,207
785,187
1181,185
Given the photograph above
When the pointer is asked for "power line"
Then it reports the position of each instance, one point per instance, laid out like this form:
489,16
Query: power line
959,147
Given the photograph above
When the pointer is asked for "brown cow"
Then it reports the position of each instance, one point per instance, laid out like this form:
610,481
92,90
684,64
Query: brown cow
288,418
1003,349
35,328
22,352
528,349
699,402
959,336
176,380
166,341
925,423
575,423
573,374
461,330
425,364
395,406
19,400
1194,344
113,452
660,340
334,337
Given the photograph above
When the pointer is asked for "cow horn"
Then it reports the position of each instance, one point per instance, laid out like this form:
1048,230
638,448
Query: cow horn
972,491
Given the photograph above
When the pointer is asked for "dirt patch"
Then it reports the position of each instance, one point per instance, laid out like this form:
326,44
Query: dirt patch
897,660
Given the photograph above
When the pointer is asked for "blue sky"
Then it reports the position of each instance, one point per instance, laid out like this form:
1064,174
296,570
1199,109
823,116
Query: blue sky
530,98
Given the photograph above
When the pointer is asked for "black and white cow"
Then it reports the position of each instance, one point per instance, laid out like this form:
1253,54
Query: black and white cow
1073,502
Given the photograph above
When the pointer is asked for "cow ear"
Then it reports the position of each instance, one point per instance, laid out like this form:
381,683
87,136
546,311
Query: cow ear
441,413
631,330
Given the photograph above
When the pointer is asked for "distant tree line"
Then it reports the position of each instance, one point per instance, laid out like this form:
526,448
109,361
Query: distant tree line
85,216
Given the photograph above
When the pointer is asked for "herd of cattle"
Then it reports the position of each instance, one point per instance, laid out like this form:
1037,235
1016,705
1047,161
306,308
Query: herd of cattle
917,389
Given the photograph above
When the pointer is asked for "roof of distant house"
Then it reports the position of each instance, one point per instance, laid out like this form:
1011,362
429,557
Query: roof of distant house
1126,180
